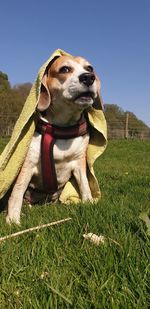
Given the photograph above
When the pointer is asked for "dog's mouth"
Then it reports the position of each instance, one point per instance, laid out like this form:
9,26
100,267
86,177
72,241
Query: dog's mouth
85,97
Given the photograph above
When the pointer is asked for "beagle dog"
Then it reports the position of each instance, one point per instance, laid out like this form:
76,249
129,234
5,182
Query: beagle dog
69,87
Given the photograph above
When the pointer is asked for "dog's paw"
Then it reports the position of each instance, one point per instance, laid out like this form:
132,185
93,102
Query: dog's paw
14,220
87,198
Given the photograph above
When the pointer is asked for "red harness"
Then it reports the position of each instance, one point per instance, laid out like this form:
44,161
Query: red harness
50,133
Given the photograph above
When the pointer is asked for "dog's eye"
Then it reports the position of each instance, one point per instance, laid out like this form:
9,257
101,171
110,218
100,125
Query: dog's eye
65,69
90,69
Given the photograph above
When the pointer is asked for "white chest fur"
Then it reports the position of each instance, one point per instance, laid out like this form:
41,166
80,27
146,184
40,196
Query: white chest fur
67,153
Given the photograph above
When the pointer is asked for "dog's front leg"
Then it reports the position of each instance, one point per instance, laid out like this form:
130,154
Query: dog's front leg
82,181
16,198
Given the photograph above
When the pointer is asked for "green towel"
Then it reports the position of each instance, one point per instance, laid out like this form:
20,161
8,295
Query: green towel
15,152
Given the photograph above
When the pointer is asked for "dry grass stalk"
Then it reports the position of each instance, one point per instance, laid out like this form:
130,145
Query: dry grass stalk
35,228
97,240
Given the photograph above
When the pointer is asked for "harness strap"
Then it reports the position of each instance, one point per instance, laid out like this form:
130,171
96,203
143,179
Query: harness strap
49,134
47,161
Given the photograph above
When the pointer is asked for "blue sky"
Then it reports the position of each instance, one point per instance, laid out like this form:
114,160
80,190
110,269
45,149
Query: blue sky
114,35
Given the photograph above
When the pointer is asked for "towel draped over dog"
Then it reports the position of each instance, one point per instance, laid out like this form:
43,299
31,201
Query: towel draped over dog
13,156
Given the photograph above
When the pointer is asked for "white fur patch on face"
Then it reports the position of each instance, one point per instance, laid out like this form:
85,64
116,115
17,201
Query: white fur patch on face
74,90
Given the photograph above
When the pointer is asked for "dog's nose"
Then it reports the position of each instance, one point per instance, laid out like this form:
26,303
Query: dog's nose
87,79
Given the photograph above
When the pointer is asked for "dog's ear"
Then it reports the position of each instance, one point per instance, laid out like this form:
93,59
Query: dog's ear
44,99
98,103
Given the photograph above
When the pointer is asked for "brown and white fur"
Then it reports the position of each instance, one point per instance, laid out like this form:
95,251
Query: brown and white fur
69,87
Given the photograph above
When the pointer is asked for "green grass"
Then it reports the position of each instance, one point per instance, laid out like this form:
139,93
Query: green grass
57,268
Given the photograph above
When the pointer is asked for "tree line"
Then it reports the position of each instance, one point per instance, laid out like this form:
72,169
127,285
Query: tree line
12,100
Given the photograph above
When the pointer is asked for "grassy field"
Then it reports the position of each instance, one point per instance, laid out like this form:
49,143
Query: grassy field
57,268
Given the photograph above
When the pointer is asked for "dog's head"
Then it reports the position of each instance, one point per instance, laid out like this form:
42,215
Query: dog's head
71,80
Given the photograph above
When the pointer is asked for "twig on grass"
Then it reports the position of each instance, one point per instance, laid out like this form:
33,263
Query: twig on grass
34,228
114,241
59,294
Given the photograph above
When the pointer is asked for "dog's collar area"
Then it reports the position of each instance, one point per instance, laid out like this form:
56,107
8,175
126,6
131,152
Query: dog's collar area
79,129
49,134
